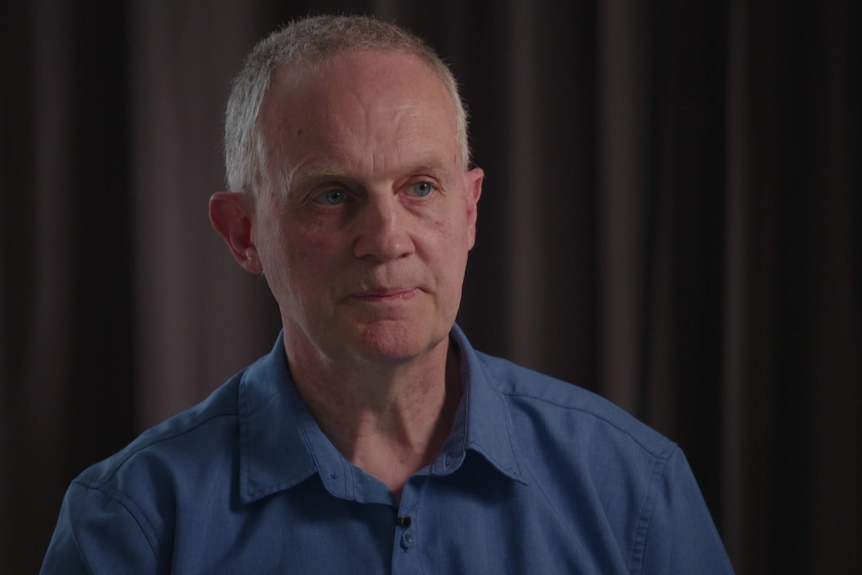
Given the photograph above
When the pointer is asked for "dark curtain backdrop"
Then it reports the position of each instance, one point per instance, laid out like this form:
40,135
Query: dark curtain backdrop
670,218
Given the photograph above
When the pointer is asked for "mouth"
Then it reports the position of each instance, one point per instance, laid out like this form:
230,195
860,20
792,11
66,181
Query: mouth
385,294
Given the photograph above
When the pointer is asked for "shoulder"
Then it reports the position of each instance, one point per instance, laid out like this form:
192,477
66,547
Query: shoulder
174,450
580,455
569,413
120,511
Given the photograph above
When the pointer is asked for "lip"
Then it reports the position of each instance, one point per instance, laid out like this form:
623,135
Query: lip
386,294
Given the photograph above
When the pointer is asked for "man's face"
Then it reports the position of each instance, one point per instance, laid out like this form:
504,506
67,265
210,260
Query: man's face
364,240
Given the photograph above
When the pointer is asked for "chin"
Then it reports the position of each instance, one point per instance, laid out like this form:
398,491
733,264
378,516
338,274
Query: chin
392,341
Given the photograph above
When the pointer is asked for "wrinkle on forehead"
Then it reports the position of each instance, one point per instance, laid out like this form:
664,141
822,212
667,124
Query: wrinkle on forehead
363,118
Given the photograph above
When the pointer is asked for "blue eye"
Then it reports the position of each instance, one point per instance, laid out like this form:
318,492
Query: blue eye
422,189
332,197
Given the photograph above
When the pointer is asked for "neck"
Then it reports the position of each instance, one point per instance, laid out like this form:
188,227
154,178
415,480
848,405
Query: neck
390,420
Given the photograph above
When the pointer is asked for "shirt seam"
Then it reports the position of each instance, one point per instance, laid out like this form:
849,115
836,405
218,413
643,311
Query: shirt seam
663,453
161,439
81,555
647,508
129,505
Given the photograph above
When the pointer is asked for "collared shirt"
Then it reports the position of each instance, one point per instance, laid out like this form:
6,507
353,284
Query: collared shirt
537,476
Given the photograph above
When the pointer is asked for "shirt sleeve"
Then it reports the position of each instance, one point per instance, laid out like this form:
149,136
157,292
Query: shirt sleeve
680,535
99,533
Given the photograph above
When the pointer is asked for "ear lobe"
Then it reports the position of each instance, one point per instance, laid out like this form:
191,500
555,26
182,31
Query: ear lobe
231,216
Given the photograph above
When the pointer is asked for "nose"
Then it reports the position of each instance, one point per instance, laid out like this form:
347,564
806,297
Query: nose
383,229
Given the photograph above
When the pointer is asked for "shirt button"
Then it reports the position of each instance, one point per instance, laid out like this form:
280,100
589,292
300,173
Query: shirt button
407,539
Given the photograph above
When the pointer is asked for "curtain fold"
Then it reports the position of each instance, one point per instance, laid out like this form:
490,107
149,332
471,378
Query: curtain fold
200,318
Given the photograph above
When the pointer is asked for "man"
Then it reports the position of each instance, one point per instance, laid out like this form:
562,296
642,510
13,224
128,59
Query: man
374,438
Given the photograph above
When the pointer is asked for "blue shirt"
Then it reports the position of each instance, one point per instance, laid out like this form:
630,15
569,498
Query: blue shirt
537,476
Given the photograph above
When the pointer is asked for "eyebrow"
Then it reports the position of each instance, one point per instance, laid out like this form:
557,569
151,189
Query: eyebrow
317,174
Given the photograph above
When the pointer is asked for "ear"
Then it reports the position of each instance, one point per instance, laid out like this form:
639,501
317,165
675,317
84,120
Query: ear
231,216
472,191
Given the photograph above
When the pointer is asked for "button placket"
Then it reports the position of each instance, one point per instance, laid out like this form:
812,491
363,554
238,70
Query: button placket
408,534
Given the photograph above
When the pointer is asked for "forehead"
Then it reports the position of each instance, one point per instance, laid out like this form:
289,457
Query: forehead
358,100
356,72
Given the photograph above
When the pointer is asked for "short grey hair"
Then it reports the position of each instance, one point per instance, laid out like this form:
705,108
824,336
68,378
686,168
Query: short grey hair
306,42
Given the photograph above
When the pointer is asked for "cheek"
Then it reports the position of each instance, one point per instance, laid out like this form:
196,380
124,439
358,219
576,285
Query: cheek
451,231
448,241
312,262
291,241
312,247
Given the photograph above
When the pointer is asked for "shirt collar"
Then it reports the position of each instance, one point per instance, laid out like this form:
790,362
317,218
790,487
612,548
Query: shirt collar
273,454
281,445
484,413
